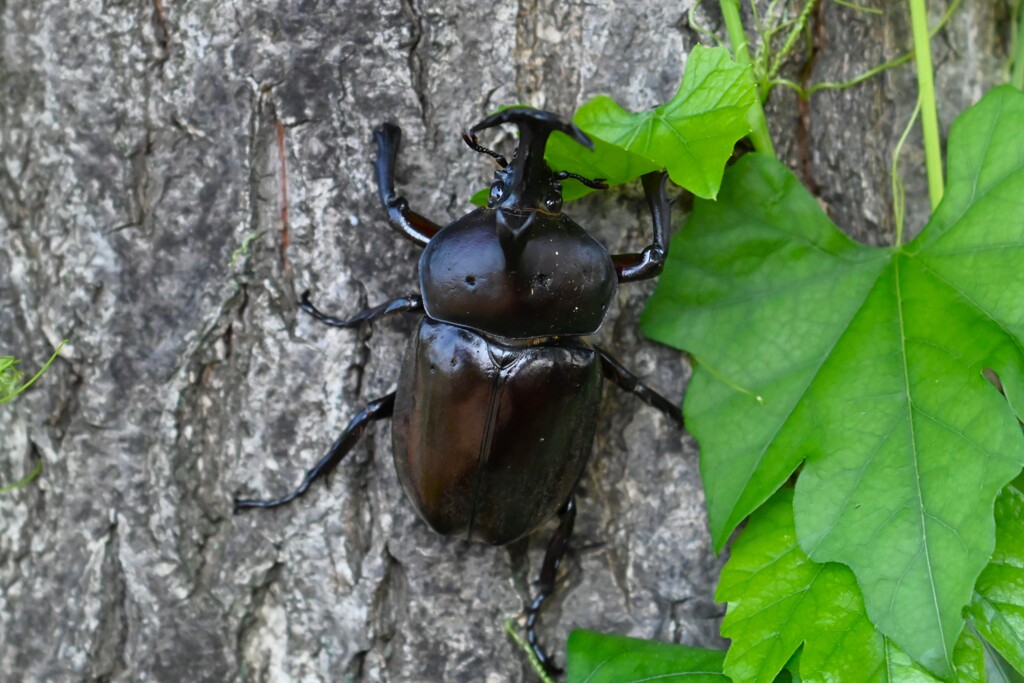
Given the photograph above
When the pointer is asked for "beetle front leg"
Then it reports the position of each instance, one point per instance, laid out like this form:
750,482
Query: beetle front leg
375,410
412,225
650,262
627,381
409,304
552,558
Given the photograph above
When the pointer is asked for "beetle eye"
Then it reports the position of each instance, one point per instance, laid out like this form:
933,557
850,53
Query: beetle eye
553,203
497,188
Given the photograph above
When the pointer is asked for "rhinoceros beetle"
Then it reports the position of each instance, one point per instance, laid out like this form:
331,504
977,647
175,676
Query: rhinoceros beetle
498,395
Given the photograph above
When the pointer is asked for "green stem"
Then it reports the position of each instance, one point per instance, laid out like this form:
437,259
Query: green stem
759,134
1017,75
899,202
10,362
791,39
513,632
926,90
859,8
734,25
806,93
25,481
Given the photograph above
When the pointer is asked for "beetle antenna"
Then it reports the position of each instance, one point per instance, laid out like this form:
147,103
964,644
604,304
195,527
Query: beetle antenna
477,147
596,183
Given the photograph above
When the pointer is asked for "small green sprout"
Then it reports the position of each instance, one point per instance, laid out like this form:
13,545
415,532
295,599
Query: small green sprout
242,250
10,387
10,376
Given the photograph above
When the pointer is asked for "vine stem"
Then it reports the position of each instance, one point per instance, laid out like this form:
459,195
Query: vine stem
21,483
759,134
899,201
801,22
929,111
806,93
1017,75
9,374
513,632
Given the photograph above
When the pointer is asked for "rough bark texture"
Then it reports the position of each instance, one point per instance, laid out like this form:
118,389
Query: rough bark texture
143,143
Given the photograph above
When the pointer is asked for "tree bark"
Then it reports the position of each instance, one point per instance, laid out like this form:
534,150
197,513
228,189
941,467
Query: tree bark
174,174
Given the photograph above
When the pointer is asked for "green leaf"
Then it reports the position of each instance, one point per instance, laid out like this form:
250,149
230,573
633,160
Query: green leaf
692,135
792,668
781,603
766,270
968,660
599,658
997,609
606,161
867,364
614,164
779,600
479,197
998,670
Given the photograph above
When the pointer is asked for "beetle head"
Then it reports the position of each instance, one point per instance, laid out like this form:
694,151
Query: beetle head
520,269
527,183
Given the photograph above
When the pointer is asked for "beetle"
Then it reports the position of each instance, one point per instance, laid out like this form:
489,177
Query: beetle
498,394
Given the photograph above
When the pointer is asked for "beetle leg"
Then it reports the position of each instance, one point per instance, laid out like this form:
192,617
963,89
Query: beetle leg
650,262
403,219
627,381
375,410
552,558
409,304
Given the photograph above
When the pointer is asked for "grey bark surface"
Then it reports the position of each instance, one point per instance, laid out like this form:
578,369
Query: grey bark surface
144,143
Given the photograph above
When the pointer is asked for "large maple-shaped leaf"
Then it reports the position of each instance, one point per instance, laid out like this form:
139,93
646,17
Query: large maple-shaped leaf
868,364
780,602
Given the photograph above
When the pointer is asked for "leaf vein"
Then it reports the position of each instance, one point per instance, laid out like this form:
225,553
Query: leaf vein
812,376
917,474
938,276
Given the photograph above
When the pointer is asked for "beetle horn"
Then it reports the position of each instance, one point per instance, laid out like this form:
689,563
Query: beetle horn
529,178
534,123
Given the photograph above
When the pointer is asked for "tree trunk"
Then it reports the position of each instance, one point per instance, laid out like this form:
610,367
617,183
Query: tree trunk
173,176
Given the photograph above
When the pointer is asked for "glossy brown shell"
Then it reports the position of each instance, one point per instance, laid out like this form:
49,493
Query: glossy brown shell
490,438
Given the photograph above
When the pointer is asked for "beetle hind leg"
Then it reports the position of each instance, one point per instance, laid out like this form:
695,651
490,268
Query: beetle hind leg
380,409
627,381
552,558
